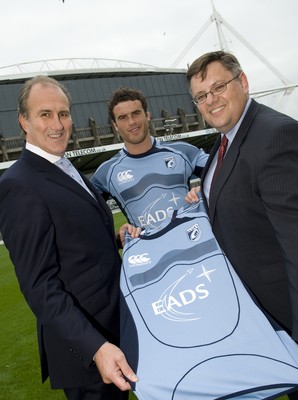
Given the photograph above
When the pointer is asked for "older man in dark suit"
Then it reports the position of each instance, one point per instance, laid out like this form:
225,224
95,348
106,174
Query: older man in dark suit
253,197
60,237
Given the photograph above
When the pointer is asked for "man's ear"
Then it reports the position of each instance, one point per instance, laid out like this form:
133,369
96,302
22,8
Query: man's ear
23,123
148,116
115,126
244,82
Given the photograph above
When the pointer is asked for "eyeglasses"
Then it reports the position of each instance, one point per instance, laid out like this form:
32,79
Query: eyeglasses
215,91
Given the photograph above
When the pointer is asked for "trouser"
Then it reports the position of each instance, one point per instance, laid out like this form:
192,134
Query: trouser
97,391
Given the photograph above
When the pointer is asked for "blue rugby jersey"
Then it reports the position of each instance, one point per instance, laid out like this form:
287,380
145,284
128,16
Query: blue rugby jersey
148,186
189,328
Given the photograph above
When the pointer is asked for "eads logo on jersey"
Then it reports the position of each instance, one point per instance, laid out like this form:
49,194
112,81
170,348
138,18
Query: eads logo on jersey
170,162
178,302
125,176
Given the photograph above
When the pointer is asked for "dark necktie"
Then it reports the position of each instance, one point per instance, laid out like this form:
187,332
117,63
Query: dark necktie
221,152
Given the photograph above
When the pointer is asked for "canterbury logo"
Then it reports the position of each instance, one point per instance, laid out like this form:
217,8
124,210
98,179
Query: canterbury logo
140,259
125,176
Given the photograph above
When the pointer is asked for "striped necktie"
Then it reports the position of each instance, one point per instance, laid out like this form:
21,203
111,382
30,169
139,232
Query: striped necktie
221,153
67,167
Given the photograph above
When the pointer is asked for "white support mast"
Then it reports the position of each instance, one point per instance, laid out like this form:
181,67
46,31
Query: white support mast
223,45
220,22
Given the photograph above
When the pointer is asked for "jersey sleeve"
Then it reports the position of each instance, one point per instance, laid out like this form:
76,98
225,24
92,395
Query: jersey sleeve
98,179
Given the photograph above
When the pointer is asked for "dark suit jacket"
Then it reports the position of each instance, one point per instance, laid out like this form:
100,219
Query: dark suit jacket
61,242
253,209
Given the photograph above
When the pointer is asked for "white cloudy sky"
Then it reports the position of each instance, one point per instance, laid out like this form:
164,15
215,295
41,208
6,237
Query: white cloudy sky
155,32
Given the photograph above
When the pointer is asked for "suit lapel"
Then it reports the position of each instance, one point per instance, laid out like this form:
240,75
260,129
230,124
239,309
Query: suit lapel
55,174
99,200
230,158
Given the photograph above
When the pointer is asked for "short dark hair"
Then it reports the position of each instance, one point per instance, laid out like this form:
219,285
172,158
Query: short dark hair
199,66
27,86
125,94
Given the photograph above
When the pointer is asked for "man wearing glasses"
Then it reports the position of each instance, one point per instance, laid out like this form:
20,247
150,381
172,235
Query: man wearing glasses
253,199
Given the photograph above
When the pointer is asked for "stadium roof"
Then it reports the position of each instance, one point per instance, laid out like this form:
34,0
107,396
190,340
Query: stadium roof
73,67
91,82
